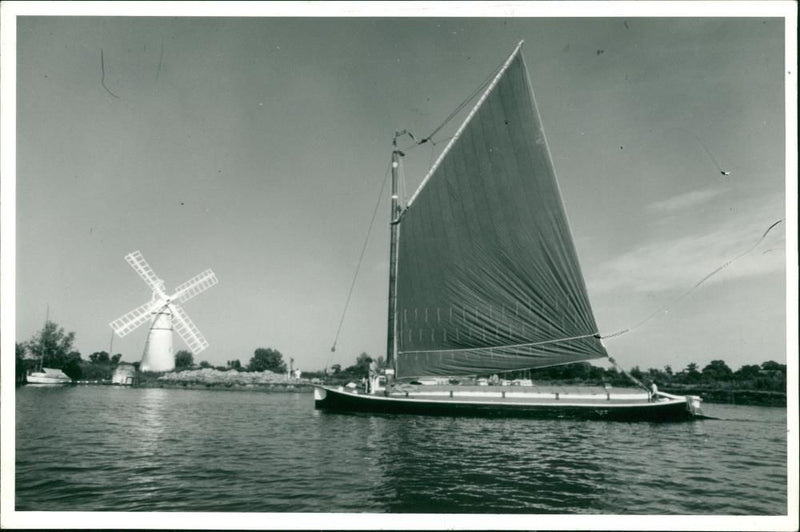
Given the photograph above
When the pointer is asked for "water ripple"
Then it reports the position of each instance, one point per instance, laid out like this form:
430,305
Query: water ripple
181,450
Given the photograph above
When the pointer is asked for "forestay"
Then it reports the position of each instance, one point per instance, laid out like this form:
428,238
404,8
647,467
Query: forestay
488,277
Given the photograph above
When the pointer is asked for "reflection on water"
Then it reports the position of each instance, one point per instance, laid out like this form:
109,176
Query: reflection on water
497,466
147,421
128,449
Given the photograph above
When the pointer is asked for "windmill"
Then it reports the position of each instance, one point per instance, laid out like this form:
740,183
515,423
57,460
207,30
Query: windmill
165,312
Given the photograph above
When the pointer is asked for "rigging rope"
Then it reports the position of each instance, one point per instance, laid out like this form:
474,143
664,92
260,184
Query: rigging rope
461,106
360,259
458,109
625,373
693,288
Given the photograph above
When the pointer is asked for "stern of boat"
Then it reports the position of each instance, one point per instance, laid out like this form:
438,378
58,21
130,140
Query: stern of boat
692,402
693,405
320,396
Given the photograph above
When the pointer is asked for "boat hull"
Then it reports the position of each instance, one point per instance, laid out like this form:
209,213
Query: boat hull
46,381
48,377
670,408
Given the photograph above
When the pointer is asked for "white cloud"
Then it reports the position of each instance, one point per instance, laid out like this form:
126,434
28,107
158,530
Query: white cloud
679,262
683,201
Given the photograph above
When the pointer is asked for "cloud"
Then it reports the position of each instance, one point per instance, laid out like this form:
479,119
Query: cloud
683,201
678,263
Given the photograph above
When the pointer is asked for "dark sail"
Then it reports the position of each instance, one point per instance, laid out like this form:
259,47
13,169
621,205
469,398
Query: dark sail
488,277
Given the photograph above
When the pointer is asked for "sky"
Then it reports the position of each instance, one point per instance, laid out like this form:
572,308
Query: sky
257,147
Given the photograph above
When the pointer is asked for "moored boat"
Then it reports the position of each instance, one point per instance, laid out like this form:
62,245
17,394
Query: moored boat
48,377
484,279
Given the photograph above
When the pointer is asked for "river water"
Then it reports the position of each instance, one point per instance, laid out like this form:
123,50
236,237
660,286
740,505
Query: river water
104,448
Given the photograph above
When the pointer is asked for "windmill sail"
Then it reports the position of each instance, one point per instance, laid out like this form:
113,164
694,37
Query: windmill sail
187,330
488,276
133,319
165,313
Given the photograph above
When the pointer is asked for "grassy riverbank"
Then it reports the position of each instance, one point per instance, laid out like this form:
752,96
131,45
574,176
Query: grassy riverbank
233,387
208,378
268,381
732,396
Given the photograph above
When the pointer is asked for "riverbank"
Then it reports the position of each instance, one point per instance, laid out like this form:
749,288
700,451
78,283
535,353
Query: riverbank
232,386
209,378
731,396
268,381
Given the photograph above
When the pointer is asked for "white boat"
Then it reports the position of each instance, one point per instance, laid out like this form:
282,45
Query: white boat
484,279
48,377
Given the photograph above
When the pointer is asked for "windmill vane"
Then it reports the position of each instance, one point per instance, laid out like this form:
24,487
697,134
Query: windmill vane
165,313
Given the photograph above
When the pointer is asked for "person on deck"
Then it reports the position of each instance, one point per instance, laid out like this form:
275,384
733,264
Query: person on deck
653,392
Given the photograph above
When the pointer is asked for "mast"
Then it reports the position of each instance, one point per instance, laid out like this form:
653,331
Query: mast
44,344
391,340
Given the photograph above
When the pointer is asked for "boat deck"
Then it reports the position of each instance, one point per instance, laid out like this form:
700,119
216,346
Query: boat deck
521,394
548,401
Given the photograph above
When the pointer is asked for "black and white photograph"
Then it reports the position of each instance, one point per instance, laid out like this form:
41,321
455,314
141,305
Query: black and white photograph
399,265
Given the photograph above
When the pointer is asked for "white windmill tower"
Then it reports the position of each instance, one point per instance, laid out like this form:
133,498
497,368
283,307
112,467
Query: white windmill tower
165,312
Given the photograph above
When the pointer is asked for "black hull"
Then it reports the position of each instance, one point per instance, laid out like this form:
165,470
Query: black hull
342,401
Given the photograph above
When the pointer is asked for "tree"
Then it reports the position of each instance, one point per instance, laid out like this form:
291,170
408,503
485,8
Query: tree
357,371
73,366
183,360
51,345
747,372
205,364
235,364
691,374
99,357
657,375
361,367
717,370
267,359
99,367
771,365
363,361
22,364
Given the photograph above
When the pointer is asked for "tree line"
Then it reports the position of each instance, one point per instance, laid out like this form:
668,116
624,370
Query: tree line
52,347
767,376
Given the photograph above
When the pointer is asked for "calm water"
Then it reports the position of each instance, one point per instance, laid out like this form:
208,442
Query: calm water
107,448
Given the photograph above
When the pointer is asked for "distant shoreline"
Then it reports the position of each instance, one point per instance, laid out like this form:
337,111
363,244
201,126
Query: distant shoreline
231,386
733,397
709,395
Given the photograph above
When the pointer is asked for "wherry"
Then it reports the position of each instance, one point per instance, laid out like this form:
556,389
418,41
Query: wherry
484,279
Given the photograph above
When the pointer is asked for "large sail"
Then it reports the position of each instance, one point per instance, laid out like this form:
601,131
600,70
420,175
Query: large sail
488,277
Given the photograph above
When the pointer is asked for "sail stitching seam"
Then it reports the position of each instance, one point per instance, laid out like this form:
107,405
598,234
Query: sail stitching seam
591,335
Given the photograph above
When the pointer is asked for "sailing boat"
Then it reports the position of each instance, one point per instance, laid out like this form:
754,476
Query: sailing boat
484,279
47,376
